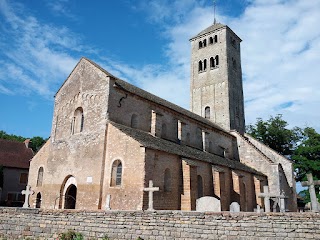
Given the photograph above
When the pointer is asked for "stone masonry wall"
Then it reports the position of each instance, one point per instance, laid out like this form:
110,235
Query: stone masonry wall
18,223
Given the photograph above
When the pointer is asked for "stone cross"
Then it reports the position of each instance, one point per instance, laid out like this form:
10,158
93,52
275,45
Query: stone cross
108,202
151,189
266,196
27,194
311,183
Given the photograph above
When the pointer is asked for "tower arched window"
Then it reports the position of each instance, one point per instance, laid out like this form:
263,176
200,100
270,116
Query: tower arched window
200,186
234,63
217,60
167,180
212,65
40,177
200,66
204,42
215,38
134,121
207,112
205,65
211,40
116,173
78,121
200,44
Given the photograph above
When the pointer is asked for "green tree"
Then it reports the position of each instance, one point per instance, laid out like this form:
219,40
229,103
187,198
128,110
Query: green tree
307,155
275,133
35,144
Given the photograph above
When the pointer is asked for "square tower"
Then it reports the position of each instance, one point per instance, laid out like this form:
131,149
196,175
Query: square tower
216,77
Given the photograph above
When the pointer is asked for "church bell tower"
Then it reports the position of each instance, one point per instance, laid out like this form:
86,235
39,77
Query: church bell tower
216,77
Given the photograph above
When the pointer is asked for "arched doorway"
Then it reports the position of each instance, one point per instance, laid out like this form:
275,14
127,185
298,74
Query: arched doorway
68,193
70,197
38,200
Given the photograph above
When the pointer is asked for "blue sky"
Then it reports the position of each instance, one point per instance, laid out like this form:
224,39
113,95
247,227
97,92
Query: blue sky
146,42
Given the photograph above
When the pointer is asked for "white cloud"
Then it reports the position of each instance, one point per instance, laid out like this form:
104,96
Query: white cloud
36,60
281,43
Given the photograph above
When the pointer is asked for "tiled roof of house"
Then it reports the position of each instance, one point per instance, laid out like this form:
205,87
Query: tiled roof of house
149,141
15,154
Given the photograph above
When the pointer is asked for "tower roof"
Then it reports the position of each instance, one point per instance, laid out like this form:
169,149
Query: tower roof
210,29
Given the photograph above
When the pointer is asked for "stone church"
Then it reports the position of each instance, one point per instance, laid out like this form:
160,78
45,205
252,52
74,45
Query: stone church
111,138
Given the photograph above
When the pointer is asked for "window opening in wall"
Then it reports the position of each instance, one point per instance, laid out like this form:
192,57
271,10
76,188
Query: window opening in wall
200,66
134,121
200,44
211,40
215,38
234,63
167,180
200,186
205,65
23,178
207,112
116,173
78,121
212,63
204,42
40,177
217,60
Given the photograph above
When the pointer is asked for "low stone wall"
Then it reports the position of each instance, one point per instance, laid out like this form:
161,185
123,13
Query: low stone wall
18,223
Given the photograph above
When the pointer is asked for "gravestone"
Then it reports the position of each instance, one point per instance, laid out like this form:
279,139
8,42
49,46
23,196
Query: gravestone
151,189
234,207
258,209
108,202
278,200
208,204
27,194
311,183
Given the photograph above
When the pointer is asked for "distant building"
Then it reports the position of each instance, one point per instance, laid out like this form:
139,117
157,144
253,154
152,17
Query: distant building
15,160
111,138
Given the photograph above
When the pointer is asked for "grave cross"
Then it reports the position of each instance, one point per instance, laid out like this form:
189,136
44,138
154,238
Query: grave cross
27,194
311,183
151,189
266,196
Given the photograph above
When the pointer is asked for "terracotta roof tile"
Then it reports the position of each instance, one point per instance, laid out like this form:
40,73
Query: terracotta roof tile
15,154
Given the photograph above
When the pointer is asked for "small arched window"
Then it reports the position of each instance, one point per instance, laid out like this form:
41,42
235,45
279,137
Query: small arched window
134,121
200,44
207,112
78,121
167,180
200,66
234,63
164,130
211,62
217,60
215,38
204,42
205,65
200,186
116,173
211,40
40,177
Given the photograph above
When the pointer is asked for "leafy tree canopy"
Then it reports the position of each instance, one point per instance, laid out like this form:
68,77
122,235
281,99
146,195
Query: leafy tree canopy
275,133
307,155
35,143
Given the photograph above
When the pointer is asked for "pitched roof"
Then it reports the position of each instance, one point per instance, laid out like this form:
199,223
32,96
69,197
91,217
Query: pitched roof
149,141
212,28
14,154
